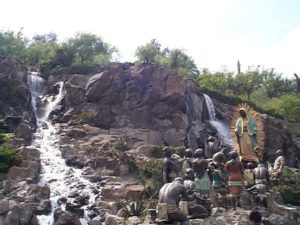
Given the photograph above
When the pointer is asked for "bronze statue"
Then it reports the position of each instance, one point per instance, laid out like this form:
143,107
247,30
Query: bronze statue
258,192
279,163
212,146
168,203
219,184
187,161
261,174
249,175
195,209
235,170
200,165
170,166
189,174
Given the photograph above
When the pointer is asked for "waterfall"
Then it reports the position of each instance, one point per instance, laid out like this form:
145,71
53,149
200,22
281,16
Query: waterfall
222,129
210,107
61,179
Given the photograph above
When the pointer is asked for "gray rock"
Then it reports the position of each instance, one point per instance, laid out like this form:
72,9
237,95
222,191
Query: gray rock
19,215
133,220
67,218
37,193
4,206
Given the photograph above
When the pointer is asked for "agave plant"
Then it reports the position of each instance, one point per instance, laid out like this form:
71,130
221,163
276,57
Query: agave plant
133,207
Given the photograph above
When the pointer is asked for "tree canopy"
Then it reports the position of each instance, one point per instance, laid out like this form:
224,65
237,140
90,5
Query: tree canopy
175,59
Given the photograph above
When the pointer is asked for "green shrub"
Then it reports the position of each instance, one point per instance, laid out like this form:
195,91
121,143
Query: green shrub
84,116
157,151
289,187
134,207
8,158
150,174
289,194
179,151
121,146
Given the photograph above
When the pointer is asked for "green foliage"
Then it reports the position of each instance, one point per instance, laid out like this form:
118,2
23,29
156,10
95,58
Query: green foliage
134,207
12,45
289,187
39,52
148,52
84,116
287,106
121,146
175,59
157,151
150,174
179,151
90,49
266,91
8,158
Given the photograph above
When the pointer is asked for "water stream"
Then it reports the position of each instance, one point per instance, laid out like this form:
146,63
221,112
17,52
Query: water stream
222,129
62,179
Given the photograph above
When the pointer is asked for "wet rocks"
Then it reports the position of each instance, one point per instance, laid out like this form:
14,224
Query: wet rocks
30,167
114,220
65,217
4,206
75,208
20,215
37,193
43,207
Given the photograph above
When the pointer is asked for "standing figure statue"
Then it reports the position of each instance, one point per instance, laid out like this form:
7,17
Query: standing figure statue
249,175
234,167
212,146
247,133
187,161
278,166
200,165
168,203
219,185
170,166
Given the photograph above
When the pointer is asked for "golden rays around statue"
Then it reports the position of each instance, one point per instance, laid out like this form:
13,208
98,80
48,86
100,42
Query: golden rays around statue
247,133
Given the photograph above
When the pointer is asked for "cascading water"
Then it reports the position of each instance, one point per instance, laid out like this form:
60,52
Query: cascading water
61,179
222,129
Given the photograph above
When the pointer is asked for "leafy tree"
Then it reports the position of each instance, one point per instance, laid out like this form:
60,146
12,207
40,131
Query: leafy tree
12,45
275,85
175,59
40,52
89,48
184,64
215,81
150,53
247,82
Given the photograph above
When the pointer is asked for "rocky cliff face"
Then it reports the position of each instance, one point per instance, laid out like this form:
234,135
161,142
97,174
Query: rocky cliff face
15,101
148,104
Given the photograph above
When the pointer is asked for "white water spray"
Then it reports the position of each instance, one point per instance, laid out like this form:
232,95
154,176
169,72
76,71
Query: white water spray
222,129
61,179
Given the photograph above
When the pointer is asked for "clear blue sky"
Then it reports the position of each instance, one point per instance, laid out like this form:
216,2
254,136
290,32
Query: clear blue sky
216,33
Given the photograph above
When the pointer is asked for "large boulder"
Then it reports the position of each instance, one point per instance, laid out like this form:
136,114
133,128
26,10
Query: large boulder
19,215
67,218
154,101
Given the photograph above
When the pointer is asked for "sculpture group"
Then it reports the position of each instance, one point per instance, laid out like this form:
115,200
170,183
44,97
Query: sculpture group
217,176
